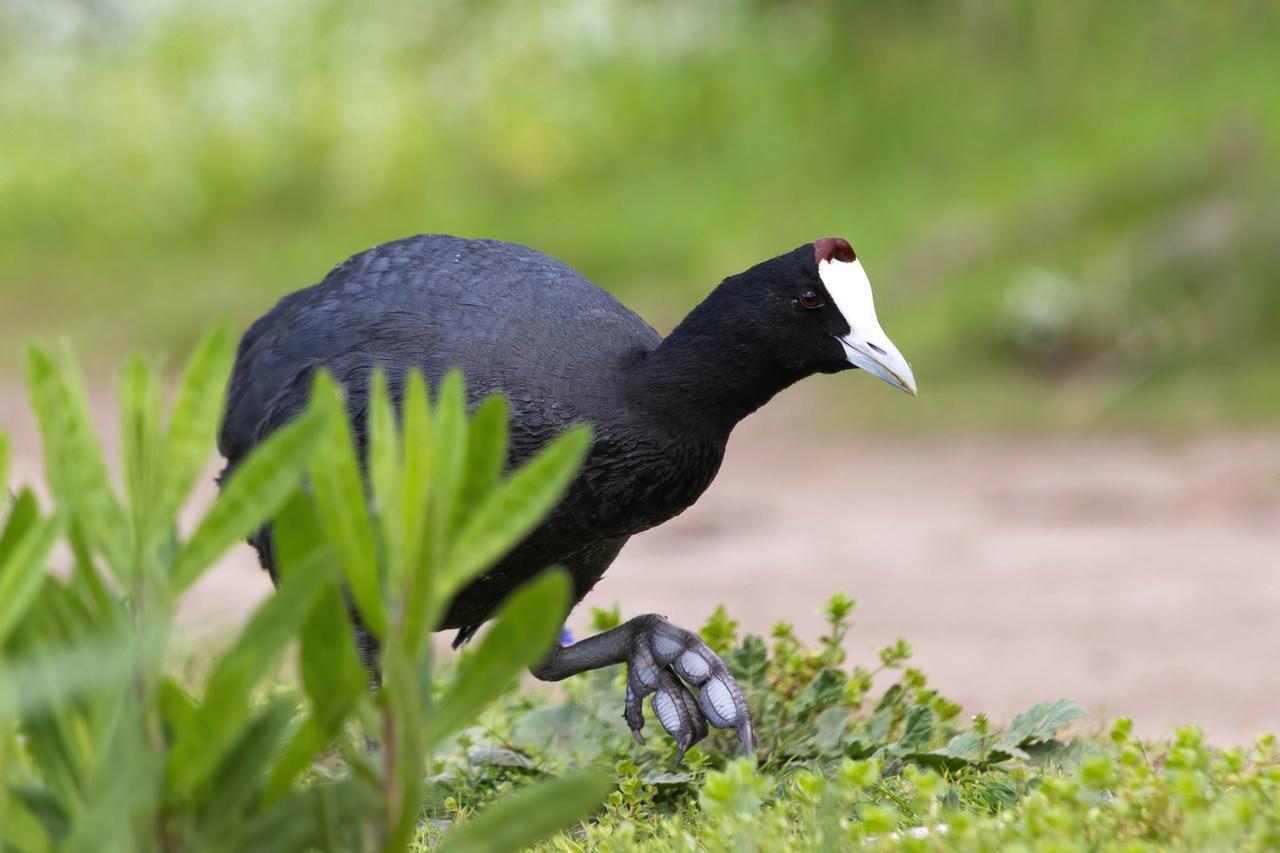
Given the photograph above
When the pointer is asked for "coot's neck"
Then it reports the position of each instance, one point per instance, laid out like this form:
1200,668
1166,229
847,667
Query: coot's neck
718,366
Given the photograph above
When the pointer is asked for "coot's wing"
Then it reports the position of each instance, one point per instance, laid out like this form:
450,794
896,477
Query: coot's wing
512,318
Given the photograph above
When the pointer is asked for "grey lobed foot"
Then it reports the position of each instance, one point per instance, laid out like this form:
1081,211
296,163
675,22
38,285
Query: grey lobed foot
660,652
663,661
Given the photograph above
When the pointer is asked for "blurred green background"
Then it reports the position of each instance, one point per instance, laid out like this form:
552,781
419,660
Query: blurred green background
1069,210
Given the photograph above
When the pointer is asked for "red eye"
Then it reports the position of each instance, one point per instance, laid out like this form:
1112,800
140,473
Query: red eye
810,299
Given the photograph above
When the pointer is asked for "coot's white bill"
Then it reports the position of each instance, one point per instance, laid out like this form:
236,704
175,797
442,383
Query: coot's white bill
865,345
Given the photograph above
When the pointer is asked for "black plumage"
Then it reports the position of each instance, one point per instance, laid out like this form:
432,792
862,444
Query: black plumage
563,351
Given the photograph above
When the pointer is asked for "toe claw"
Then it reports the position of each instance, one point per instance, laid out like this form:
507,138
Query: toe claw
677,711
662,652
683,746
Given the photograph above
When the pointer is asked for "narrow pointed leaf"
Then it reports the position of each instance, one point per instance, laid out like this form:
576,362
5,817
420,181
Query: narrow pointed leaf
386,475
486,454
306,742
450,450
23,571
340,498
525,629
243,771
53,679
251,496
74,463
421,545
24,514
23,829
127,787
140,447
298,534
514,508
530,814
402,690
324,817
258,649
177,708
331,670
194,422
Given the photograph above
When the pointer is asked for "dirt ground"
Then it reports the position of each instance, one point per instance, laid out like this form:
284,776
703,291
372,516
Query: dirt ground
1137,577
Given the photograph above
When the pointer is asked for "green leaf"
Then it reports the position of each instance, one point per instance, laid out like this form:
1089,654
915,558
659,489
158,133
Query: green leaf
971,748
514,508
251,496
323,817
883,717
140,447
525,629
243,771
967,746
125,789
53,679
402,691
24,828
918,729
177,708
42,806
450,450
340,498
825,690
194,423
421,546
225,707
74,463
298,535
25,513
303,745
386,476
331,670
1063,757
1042,722
486,455
107,611
552,729
530,814
829,728
997,794
23,571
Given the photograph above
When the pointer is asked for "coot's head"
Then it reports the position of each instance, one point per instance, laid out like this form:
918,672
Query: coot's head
819,314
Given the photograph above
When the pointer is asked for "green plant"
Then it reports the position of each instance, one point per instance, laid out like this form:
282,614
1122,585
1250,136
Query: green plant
849,761
102,747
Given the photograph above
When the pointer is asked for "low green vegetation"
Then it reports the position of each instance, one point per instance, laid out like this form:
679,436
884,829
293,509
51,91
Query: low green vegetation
108,740
104,747
869,756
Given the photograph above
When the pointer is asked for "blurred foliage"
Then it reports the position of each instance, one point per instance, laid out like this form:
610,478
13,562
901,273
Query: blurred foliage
1069,209
103,748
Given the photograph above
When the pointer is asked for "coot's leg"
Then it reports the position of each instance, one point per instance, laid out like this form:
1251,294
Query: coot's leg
655,652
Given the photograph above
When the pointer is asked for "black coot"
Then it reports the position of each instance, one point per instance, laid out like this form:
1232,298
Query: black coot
565,351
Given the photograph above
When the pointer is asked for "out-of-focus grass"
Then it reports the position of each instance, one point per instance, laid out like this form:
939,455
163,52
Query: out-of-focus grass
1069,210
